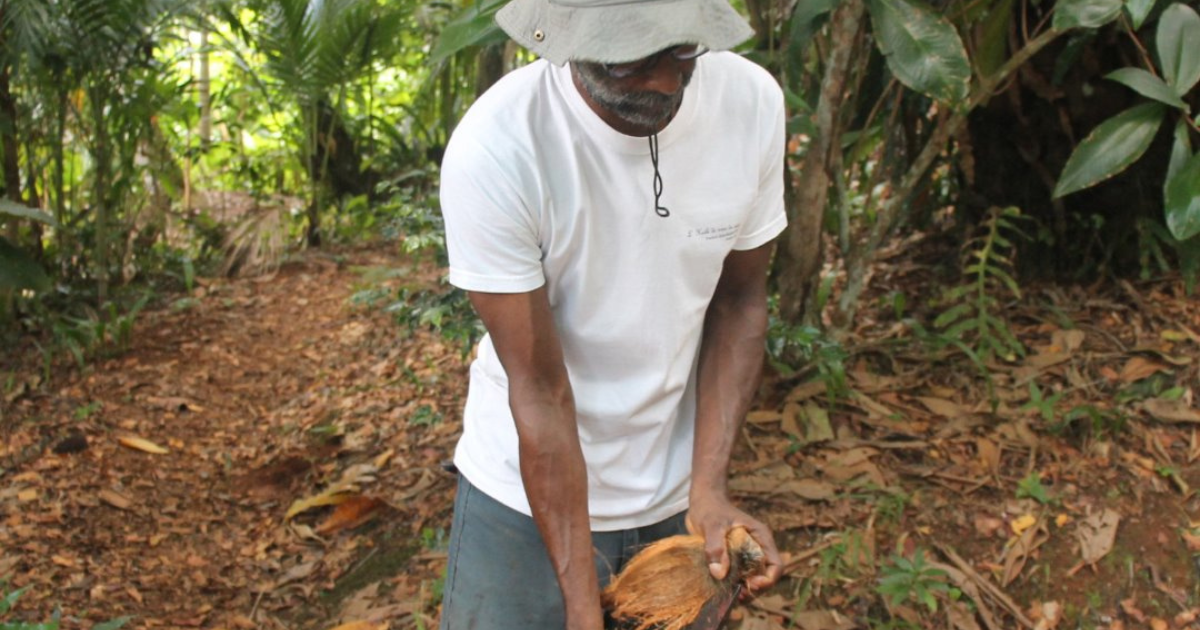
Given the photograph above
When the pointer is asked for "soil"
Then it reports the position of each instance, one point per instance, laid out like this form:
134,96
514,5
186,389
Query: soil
269,453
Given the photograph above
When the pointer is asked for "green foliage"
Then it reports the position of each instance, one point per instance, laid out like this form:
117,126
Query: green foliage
473,27
9,600
106,332
791,348
1090,421
19,271
1070,14
922,48
1121,140
1111,148
971,314
1044,405
912,580
447,312
425,416
1031,488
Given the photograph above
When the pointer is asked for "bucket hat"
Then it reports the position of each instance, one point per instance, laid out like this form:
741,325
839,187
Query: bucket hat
619,31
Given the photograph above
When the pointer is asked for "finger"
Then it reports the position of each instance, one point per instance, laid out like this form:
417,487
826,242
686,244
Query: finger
772,568
716,553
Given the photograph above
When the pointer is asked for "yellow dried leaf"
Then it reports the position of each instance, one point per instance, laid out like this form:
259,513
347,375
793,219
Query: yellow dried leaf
1139,368
320,500
25,496
146,446
383,458
1062,519
115,499
364,625
1022,523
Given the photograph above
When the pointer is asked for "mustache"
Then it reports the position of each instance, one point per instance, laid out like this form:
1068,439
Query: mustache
647,101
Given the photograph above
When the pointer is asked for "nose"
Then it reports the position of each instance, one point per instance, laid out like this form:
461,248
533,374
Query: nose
667,75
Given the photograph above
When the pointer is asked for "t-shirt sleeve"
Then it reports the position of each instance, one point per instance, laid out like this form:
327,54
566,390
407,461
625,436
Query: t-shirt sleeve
768,217
491,235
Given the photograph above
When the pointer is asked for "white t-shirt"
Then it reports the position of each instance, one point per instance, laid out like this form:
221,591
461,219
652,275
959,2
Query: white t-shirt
537,189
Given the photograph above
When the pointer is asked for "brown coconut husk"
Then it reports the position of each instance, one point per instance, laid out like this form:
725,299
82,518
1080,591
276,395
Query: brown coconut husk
667,584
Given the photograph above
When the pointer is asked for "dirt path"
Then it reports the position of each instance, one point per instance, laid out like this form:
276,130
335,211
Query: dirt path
263,392
302,486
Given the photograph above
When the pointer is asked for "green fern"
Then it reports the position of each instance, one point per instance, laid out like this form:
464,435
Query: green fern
972,314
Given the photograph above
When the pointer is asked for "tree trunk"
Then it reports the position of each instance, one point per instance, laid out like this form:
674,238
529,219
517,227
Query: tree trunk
489,68
204,89
10,146
800,251
101,150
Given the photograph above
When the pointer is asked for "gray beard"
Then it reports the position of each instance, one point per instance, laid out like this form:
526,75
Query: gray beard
649,110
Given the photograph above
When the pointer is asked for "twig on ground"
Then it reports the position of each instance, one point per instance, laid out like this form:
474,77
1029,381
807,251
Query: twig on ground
986,585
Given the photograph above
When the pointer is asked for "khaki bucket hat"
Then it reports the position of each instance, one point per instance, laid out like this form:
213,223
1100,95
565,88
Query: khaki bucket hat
619,31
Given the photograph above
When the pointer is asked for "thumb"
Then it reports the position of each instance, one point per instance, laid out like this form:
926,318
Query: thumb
716,554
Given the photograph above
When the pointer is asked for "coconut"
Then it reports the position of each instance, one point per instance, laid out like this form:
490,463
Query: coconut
667,584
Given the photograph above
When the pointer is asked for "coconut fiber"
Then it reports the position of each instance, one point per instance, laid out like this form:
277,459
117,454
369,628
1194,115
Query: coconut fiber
667,584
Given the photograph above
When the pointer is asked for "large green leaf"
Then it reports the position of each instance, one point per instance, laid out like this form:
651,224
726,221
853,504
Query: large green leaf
922,48
1181,150
18,271
1147,85
1178,42
991,44
1139,10
806,21
475,26
1183,200
1085,13
1110,148
15,209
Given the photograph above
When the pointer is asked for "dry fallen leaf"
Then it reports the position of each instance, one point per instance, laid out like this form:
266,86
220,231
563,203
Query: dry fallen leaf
363,625
1171,410
1139,368
1097,533
1021,548
325,498
351,513
1048,616
941,407
146,446
115,499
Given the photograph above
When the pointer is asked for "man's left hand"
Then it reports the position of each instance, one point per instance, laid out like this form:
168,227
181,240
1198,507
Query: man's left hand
712,518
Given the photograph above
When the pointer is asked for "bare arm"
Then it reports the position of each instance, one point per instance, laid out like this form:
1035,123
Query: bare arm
731,355
552,465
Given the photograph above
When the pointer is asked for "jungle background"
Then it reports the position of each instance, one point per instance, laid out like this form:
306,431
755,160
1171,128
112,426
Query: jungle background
231,369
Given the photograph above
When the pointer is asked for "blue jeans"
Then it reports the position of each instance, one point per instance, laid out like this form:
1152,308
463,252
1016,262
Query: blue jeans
499,575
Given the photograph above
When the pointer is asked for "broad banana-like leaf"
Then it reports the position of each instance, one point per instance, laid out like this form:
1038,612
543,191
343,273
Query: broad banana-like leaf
1183,200
1147,85
1138,11
991,45
1181,150
1178,42
19,271
15,209
1085,13
806,21
1110,148
922,48
475,26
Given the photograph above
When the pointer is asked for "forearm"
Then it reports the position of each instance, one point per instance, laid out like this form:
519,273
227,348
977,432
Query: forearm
555,478
731,355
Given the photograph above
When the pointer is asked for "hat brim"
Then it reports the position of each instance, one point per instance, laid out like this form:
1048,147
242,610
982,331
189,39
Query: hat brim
562,31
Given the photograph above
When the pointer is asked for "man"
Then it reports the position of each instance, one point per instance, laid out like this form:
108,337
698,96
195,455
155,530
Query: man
608,210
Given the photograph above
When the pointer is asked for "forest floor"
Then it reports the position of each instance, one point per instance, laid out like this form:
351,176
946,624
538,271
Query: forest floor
268,453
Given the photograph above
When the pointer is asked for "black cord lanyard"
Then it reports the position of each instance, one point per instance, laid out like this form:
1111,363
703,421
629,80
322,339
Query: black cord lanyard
658,183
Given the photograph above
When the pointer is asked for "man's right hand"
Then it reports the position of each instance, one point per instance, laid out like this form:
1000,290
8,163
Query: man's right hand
552,467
